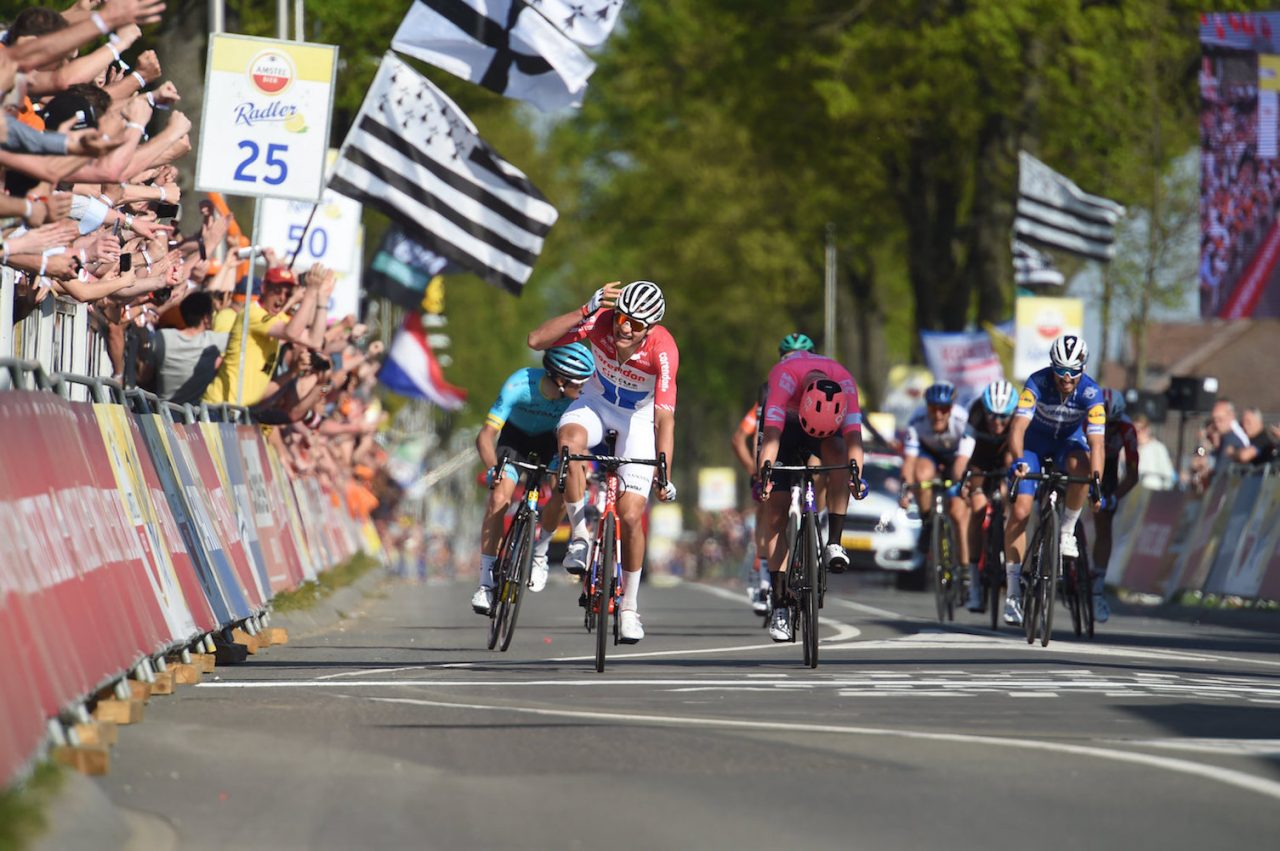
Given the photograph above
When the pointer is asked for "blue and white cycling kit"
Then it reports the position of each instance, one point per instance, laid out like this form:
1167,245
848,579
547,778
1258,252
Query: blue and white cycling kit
525,419
941,448
1058,426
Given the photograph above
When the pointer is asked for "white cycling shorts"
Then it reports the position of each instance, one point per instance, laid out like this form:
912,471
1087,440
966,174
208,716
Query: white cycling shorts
635,437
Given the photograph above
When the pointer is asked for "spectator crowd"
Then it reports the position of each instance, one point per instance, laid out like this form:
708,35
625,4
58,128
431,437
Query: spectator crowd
91,148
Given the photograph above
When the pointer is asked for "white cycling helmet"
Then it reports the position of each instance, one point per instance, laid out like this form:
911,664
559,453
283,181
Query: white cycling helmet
1069,352
642,301
1000,398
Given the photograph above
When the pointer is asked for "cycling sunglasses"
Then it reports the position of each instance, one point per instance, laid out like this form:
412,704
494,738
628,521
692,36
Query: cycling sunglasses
636,325
1064,372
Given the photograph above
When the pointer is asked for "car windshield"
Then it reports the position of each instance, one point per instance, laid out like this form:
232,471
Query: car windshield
883,477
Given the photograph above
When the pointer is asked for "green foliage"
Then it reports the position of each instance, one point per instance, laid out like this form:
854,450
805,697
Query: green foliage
309,593
23,807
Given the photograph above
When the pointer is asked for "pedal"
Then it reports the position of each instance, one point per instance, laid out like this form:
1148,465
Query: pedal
582,600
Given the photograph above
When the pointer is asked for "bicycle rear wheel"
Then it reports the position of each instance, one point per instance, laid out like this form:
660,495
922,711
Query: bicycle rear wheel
602,593
519,579
1031,588
503,568
1050,566
993,568
809,616
1084,586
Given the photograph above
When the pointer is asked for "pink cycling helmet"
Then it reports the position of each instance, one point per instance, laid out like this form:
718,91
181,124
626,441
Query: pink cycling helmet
822,407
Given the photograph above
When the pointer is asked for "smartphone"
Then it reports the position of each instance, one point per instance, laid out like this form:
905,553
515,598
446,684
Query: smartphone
168,211
243,253
126,261
161,295
204,252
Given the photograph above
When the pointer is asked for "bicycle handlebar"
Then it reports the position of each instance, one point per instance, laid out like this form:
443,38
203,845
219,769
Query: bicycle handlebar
609,462
505,458
1055,476
769,468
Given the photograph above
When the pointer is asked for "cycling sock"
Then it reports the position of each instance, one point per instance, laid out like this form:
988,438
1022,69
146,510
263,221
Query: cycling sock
577,512
974,578
764,573
486,570
777,585
630,590
1013,576
1069,518
543,542
835,527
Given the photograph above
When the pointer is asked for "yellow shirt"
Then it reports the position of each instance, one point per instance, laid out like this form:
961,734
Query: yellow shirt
260,357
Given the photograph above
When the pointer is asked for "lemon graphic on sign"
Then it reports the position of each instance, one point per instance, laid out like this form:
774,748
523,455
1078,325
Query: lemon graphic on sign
296,123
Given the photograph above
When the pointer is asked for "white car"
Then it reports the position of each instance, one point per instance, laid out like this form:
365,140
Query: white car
879,533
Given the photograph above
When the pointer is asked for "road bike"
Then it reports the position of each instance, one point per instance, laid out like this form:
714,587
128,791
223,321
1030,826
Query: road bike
806,573
1076,587
1043,562
512,571
991,559
945,573
602,581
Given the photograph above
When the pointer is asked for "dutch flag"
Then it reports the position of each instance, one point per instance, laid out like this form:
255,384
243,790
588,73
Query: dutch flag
412,370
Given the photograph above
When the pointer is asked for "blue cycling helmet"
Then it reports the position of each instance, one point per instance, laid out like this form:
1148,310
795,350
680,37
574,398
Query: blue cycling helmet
1000,398
572,361
942,393
796,342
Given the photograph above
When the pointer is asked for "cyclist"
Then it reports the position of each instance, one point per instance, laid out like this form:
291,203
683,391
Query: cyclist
1121,437
811,408
988,430
936,443
746,446
634,392
1060,417
523,421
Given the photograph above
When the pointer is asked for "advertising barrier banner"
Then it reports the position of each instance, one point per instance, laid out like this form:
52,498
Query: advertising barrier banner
1150,560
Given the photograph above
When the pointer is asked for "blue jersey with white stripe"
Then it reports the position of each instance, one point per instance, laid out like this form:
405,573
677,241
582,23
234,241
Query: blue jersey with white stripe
521,403
1056,418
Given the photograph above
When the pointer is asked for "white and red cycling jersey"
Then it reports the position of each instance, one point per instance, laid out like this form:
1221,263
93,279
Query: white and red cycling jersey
645,380
787,383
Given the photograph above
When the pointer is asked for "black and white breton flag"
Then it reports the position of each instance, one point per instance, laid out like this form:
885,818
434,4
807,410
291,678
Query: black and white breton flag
504,45
588,22
412,154
1055,213
1032,268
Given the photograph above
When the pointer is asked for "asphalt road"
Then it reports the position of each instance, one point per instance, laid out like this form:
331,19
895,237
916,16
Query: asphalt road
397,729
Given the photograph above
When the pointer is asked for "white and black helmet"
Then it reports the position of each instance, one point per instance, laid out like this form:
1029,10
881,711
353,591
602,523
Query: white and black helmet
642,301
1069,352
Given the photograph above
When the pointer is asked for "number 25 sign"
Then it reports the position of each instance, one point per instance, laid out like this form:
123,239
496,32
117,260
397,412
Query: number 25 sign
264,129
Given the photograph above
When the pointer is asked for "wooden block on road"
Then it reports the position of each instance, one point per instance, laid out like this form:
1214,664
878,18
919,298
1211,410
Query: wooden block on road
97,733
86,759
164,682
139,690
203,662
250,642
118,711
275,635
186,675
231,654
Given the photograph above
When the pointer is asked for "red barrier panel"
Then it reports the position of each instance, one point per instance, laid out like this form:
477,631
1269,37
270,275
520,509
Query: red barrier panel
1150,560
273,522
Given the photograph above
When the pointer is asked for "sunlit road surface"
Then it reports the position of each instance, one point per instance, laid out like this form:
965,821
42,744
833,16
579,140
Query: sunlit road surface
398,729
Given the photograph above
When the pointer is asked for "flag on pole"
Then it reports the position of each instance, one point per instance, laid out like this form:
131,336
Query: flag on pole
1055,213
1033,268
504,45
413,155
402,270
588,22
411,369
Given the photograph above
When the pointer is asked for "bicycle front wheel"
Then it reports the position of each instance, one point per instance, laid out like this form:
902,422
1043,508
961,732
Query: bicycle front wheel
503,568
519,578
1050,567
809,607
602,593
935,566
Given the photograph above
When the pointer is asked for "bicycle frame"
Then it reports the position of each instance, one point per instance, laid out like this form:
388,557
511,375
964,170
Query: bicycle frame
516,546
1040,587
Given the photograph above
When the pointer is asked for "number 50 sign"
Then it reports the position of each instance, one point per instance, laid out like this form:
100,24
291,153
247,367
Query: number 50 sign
264,129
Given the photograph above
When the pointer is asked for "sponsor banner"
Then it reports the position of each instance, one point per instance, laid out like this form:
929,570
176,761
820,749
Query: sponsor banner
251,496
1150,558
1264,558
1206,533
966,359
1038,322
717,489
1126,527
286,507
204,445
230,466
264,128
135,497
1239,516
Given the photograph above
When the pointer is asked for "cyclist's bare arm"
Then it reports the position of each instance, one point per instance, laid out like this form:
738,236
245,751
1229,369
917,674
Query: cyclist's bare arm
741,450
486,445
1017,436
542,337
769,447
853,448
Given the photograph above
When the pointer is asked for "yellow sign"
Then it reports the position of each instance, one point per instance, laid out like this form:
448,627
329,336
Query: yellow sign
1039,322
1269,72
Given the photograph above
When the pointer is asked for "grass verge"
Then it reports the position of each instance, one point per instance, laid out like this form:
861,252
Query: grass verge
23,807
310,593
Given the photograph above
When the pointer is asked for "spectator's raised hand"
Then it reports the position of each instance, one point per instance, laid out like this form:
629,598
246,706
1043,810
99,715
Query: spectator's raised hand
91,142
40,239
59,206
167,93
318,276
8,72
375,348
126,36
118,13
178,121
148,65
137,109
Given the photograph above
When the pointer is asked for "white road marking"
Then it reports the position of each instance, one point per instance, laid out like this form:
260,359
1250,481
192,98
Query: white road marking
1230,777
1226,747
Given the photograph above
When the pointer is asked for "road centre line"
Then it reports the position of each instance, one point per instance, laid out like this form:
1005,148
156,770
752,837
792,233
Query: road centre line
1230,777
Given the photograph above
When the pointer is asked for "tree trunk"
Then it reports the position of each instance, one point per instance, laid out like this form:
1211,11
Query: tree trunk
989,267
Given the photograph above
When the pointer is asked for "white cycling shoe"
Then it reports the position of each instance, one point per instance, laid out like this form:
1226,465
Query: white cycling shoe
482,600
1067,545
630,630
836,558
538,574
1013,611
759,600
575,556
780,626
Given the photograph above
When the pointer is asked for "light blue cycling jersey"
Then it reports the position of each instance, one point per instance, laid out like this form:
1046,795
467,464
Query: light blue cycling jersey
520,402
1057,419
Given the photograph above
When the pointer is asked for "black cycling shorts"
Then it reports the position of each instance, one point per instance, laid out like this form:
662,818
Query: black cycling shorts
520,445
